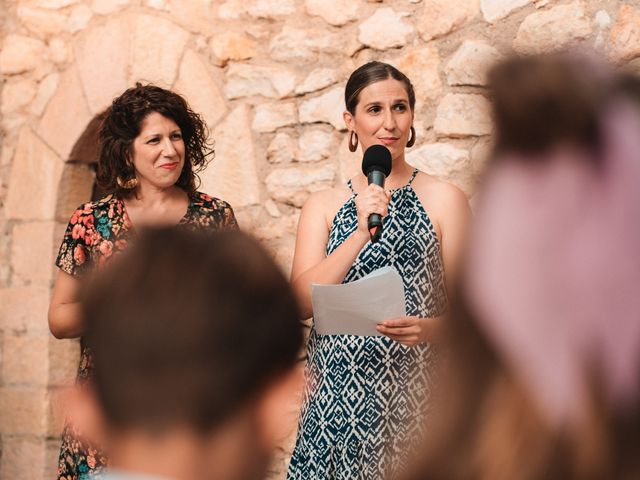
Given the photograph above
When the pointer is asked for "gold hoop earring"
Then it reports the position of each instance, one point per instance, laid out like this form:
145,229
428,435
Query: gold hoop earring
353,144
412,137
127,184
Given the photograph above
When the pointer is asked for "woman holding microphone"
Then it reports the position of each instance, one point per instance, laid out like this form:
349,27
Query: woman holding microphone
364,394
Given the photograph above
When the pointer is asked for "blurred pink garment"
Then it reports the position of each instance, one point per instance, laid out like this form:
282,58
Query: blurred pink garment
554,269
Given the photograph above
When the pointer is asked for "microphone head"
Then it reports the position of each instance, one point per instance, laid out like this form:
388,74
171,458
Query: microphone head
377,157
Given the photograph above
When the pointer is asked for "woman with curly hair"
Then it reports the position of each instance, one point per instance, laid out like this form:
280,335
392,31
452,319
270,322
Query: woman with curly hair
151,147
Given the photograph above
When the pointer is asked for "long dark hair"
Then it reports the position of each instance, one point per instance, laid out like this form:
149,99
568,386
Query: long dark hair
121,125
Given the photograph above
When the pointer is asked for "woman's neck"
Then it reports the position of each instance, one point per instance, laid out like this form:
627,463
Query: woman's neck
150,196
154,206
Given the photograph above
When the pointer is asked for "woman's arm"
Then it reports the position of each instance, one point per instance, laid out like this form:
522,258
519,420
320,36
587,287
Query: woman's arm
452,213
454,222
310,263
64,308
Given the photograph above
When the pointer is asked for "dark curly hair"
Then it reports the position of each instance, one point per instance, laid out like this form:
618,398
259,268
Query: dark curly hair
121,125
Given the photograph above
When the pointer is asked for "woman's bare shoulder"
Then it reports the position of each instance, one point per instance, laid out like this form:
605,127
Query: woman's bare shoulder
437,190
330,197
327,202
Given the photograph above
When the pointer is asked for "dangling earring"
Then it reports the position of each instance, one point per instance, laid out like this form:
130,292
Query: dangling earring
128,184
353,144
412,137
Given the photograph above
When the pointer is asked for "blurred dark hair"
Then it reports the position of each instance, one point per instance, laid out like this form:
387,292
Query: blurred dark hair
187,328
541,101
629,85
488,423
373,72
122,123
488,426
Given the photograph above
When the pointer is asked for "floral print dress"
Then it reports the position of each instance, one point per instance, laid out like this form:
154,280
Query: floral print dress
96,232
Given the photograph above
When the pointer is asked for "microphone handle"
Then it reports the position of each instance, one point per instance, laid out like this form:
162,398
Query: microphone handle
374,223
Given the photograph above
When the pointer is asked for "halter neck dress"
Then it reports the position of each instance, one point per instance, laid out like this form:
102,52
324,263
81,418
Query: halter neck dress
365,398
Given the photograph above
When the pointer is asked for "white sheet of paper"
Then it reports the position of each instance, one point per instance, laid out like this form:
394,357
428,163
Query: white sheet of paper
356,308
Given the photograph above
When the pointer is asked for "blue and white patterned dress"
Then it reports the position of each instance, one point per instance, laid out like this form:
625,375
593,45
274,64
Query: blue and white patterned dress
365,398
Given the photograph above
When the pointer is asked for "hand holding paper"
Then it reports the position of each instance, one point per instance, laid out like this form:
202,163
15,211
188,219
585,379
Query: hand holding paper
356,308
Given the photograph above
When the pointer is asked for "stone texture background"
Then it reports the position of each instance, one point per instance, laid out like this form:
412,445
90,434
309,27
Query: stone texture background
268,76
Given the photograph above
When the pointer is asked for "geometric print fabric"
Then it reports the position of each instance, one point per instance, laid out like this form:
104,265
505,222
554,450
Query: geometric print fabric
365,398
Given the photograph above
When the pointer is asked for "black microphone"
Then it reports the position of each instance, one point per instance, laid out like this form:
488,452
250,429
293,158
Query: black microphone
376,165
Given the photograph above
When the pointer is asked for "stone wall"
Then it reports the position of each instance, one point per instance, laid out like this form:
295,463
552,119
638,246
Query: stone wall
268,76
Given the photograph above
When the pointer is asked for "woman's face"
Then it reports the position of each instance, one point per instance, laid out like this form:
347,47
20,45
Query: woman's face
382,116
158,152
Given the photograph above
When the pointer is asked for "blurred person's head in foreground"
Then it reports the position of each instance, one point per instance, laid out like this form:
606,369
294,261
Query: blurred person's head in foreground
544,372
195,337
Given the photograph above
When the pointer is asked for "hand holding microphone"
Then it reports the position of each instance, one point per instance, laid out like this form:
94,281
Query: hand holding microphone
372,202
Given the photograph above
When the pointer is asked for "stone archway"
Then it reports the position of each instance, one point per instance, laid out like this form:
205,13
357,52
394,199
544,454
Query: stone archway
77,184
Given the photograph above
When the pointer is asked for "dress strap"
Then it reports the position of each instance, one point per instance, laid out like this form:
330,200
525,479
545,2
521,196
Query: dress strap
413,176
350,185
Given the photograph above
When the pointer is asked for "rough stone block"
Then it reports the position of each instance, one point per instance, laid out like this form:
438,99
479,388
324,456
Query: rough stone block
103,76
25,360
106,7
201,91
156,50
63,359
302,45
51,457
46,89
461,115
79,18
271,9
440,17
248,80
334,12
231,46
494,10
55,4
318,79
471,62
32,253
553,29
315,145
270,117
24,309
194,15
22,458
23,410
445,161
422,66
231,9
16,95
40,22
281,149
625,34
35,177
326,108
385,29
58,51
20,54
66,116
293,185
233,175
